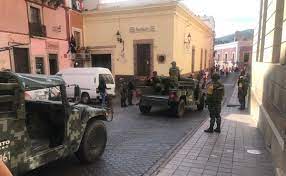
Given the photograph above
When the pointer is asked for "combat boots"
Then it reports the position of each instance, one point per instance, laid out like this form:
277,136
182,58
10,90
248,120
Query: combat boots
218,122
217,130
209,130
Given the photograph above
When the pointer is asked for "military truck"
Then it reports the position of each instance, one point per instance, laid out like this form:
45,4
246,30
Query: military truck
186,93
34,133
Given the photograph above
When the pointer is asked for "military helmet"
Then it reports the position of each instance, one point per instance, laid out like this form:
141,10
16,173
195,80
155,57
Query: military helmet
215,77
174,62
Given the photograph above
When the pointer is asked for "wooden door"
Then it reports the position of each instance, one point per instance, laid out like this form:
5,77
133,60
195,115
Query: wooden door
53,62
143,59
21,60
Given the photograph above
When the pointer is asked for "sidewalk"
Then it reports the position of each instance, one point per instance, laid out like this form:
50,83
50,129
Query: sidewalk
237,151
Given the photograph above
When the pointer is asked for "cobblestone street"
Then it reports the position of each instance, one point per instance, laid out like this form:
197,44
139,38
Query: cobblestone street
135,142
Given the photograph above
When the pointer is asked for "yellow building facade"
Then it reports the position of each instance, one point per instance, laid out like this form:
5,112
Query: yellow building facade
136,40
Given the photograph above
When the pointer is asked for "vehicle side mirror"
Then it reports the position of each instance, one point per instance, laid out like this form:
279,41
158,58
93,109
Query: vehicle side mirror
77,92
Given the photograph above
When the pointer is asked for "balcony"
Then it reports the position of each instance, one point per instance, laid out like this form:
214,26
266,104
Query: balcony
37,29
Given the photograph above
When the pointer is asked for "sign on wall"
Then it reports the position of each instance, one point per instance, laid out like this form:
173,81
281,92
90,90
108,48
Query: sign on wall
142,29
52,45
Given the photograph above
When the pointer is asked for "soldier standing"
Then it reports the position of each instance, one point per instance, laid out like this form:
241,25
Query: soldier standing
123,92
215,93
131,88
174,73
242,89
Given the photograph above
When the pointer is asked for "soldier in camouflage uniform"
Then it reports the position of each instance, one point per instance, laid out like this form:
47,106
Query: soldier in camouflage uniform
242,89
174,73
215,93
123,92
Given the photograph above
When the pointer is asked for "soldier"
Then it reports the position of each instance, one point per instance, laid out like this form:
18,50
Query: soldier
131,88
174,73
156,82
215,93
242,84
123,92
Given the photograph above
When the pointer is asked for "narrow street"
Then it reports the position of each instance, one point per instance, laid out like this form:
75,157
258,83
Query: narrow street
135,142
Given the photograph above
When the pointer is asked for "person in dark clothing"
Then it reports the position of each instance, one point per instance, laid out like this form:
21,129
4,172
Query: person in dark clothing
131,88
102,91
123,92
242,84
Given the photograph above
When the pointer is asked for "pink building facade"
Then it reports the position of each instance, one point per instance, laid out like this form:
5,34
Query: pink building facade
37,37
234,54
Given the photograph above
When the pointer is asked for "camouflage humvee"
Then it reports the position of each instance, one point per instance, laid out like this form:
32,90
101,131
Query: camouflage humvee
184,94
33,132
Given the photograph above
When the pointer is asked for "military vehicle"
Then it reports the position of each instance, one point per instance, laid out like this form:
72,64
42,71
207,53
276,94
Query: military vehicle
34,133
186,93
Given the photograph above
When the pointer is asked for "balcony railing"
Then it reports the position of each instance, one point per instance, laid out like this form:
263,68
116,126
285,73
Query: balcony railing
37,29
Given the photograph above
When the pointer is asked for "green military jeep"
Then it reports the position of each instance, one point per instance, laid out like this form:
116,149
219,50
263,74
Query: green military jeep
185,94
36,132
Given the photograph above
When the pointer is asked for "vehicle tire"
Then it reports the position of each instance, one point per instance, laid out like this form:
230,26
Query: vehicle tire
93,142
85,99
202,104
144,109
180,111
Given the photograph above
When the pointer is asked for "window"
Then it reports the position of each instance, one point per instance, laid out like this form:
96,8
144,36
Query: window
107,78
35,15
201,63
233,56
40,65
246,57
77,37
206,58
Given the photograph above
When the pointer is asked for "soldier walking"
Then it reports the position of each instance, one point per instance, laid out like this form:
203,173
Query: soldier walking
215,93
242,84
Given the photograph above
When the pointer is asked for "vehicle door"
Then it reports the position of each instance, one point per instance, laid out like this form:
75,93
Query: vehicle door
14,140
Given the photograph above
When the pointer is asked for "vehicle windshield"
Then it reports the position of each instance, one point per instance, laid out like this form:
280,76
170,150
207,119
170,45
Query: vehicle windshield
107,78
52,94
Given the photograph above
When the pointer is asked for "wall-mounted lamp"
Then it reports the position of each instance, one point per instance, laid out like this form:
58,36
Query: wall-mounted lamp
188,39
119,39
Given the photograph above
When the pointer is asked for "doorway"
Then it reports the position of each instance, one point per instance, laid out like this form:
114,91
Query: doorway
21,60
53,62
143,59
40,65
101,60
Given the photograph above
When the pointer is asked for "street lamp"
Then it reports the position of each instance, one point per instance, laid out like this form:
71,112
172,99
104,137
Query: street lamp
119,39
189,38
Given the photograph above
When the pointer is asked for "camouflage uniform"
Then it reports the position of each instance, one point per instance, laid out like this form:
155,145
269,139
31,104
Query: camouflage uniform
123,93
242,90
131,88
174,73
215,93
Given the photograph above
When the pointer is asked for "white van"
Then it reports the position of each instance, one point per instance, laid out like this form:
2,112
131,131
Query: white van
88,80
